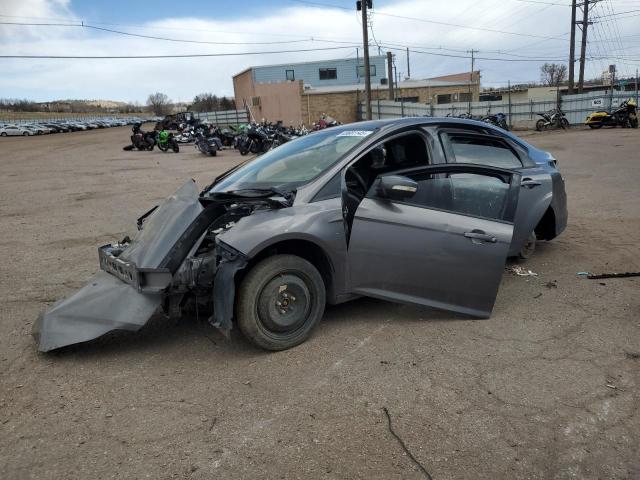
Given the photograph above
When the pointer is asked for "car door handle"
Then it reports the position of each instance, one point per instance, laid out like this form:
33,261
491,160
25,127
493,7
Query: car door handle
529,183
485,237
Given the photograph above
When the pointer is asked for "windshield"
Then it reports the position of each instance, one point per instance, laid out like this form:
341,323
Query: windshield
294,163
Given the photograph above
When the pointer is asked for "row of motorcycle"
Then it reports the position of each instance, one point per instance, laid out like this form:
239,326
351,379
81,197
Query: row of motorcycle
497,119
254,138
141,140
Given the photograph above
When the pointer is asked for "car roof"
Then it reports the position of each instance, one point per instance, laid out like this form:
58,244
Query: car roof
395,123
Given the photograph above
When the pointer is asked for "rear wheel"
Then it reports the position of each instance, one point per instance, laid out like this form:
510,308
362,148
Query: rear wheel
529,247
633,122
25,134
565,123
540,125
3,134
280,302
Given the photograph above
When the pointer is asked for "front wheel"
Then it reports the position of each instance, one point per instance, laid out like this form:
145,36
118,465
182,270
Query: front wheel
529,247
25,134
595,126
175,147
280,302
163,146
565,123
3,134
633,122
540,125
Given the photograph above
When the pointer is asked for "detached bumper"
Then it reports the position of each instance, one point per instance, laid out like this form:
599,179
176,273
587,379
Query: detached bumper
129,288
102,305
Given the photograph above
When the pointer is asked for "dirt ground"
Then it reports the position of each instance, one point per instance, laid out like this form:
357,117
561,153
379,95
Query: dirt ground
548,388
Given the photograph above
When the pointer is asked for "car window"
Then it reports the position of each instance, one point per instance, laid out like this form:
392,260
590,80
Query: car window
483,151
331,189
464,193
296,162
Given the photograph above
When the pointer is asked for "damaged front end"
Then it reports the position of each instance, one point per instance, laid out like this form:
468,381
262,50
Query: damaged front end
175,261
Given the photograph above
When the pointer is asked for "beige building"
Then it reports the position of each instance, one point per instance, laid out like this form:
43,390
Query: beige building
294,103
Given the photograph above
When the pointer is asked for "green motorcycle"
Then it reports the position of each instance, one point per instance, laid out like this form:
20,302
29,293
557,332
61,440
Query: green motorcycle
167,141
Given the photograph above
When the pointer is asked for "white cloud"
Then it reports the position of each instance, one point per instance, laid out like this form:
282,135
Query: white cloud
181,79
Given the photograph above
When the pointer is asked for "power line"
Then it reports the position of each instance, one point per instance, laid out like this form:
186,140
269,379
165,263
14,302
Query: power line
191,55
93,27
433,22
311,39
491,59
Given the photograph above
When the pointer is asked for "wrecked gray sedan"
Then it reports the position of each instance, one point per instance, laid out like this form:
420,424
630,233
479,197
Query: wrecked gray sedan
419,210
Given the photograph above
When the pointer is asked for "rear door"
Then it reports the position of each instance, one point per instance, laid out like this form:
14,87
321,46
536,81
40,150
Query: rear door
444,247
536,187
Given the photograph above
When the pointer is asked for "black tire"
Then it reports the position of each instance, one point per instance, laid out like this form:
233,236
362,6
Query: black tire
164,147
175,147
213,152
25,134
565,123
595,126
3,134
540,125
633,122
529,247
261,312
243,151
128,148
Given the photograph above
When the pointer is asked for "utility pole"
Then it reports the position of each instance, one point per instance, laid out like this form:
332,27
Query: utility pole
612,71
636,86
362,5
408,65
390,75
572,47
472,52
583,47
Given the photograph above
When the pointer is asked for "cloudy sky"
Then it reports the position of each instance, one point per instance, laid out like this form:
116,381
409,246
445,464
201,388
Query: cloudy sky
438,33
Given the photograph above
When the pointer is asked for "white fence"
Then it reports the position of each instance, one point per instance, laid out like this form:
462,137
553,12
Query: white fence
225,117
523,114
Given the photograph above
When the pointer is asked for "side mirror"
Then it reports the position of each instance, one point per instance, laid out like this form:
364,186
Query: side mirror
397,187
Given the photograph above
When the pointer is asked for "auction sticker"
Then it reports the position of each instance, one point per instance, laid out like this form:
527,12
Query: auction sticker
355,133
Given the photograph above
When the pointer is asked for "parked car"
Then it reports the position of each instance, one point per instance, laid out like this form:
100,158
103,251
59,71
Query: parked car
9,130
417,210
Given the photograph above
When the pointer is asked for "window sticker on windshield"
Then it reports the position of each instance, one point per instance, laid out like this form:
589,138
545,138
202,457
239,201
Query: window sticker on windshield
355,133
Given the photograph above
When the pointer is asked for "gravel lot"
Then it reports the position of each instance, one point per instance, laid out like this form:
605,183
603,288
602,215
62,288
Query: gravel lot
548,388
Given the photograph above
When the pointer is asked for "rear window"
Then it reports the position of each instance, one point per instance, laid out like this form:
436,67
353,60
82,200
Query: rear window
483,151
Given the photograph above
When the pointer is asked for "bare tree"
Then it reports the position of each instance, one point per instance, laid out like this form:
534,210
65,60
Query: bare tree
553,74
159,103
206,102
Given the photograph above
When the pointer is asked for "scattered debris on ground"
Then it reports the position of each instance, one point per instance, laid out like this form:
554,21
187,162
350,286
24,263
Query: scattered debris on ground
522,272
597,276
